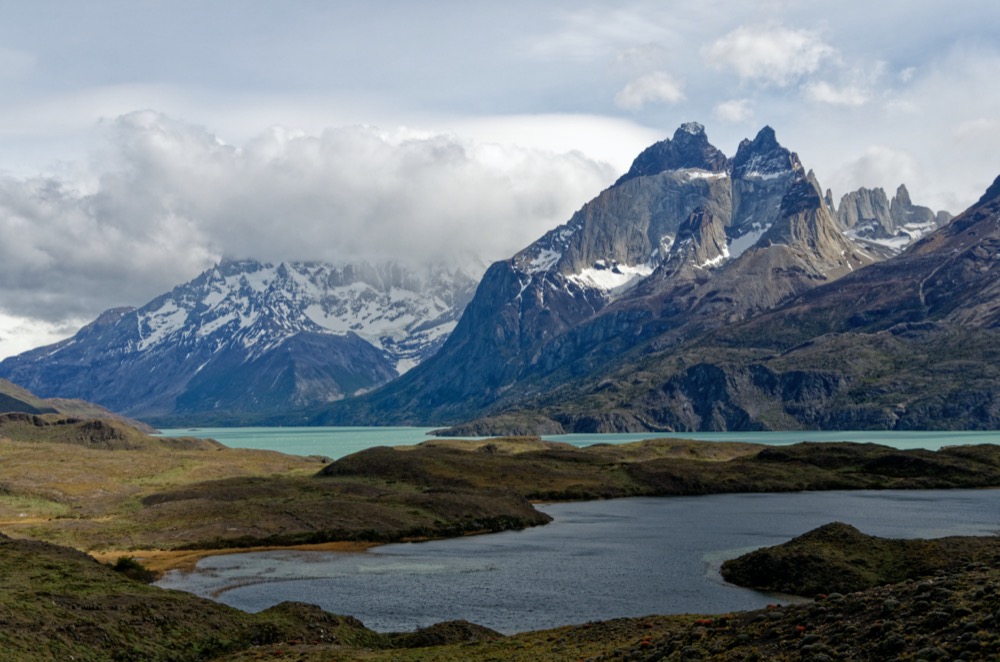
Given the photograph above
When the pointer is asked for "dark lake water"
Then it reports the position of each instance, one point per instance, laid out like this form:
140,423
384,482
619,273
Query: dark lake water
598,560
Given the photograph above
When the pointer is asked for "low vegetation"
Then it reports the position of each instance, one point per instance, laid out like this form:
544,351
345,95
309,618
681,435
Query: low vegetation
837,558
103,487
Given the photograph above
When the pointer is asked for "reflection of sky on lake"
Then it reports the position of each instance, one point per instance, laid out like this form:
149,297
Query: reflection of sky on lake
597,560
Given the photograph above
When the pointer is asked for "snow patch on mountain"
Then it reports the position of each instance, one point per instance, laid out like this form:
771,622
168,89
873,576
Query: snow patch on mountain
739,245
612,278
866,233
697,173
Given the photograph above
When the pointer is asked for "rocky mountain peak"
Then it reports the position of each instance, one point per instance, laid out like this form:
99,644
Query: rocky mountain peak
903,196
688,149
861,207
807,227
693,128
802,196
248,336
763,157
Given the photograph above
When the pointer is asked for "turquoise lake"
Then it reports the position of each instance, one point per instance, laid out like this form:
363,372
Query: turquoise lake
336,442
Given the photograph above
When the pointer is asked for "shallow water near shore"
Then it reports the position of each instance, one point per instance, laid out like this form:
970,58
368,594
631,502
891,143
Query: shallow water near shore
598,560
336,442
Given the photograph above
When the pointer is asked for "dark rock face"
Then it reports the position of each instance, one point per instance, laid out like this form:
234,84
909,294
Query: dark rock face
763,157
689,148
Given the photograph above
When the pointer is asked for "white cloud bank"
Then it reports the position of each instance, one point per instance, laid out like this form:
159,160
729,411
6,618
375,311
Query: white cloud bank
734,111
655,87
769,54
165,199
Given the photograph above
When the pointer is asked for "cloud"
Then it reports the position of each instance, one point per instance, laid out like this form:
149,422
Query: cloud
656,87
769,55
19,334
857,87
164,199
590,34
734,111
824,92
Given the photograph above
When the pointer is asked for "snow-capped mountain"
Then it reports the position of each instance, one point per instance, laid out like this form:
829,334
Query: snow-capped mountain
404,312
253,337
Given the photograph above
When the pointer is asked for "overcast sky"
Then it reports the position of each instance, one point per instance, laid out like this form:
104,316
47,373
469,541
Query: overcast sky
143,140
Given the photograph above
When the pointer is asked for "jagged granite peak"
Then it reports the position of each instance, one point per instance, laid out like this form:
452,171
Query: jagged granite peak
762,172
864,207
627,229
763,157
688,149
886,226
249,336
806,222
907,216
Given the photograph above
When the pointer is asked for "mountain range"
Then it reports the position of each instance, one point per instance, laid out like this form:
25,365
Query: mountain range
687,244
647,310
247,337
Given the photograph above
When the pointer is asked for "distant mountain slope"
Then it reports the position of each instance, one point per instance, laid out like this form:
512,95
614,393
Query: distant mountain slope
686,241
250,338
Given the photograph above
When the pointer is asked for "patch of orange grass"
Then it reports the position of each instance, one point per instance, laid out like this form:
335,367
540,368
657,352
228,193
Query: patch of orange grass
163,560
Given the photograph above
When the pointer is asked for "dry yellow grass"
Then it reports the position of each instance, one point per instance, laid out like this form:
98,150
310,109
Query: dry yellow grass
60,486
